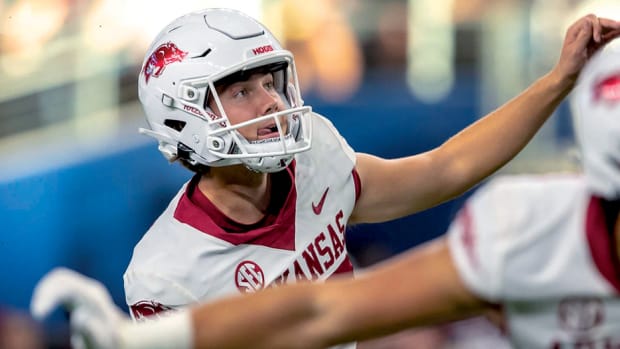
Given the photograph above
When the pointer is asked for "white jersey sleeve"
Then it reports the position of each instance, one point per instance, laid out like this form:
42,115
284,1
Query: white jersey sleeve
502,238
154,294
475,252
334,135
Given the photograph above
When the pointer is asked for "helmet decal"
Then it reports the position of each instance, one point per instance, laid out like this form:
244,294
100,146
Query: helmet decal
146,308
262,49
608,89
165,54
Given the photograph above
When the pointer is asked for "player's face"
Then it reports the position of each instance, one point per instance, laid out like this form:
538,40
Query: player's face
248,99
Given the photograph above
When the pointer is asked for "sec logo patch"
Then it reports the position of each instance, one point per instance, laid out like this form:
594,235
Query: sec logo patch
249,277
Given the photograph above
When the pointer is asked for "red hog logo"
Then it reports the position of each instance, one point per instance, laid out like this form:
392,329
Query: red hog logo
165,54
145,309
608,89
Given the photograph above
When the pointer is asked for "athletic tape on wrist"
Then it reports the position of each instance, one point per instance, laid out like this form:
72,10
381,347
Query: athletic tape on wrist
170,331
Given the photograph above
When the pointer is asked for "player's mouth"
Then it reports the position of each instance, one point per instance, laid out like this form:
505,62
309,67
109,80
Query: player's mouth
268,131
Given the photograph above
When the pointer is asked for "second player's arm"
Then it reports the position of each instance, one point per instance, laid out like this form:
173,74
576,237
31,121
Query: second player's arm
416,289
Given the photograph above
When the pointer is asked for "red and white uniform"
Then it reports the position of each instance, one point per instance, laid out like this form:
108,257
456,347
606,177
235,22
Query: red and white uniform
541,246
193,253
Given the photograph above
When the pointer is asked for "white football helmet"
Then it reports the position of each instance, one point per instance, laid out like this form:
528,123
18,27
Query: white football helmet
179,74
596,116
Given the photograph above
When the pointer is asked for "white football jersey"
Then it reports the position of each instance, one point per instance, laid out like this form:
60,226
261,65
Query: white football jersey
186,256
541,247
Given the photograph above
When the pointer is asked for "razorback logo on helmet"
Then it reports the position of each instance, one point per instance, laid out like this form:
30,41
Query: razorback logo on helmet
608,89
145,309
162,56
262,49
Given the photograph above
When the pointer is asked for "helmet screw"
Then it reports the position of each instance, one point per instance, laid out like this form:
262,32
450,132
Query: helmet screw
190,94
216,144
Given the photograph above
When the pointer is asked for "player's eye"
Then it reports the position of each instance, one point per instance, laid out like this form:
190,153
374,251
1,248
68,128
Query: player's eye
238,93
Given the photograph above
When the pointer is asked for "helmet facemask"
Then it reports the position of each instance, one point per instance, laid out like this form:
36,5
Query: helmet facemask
291,124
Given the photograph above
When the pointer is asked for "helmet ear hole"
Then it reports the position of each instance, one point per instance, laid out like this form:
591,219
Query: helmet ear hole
176,125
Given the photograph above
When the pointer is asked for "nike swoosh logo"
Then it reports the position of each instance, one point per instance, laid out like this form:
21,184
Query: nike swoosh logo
319,207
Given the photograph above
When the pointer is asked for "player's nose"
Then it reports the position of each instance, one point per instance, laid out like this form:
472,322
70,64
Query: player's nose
269,101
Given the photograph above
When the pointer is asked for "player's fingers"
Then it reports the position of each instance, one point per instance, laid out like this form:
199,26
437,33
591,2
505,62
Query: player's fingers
58,287
611,34
90,330
589,26
608,23
580,31
573,31
80,329
48,293
583,34
78,342
601,27
596,28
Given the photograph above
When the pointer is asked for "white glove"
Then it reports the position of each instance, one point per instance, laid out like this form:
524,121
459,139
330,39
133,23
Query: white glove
95,320
97,323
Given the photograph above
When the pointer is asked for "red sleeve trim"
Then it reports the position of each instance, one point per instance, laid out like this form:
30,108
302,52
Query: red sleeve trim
144,309
358,184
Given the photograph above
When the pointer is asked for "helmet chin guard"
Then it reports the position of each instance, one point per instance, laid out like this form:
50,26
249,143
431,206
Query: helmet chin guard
179,76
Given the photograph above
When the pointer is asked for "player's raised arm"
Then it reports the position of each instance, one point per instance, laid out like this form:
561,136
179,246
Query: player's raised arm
425,180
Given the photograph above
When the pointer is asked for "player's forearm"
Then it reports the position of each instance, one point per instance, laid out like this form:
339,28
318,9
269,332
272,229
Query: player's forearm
268,319
488,144
421,287
302,316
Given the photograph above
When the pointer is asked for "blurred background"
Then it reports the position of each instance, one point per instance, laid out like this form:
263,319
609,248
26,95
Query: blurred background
79,186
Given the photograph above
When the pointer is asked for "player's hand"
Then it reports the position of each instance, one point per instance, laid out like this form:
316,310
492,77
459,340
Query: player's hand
95,320
583,38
